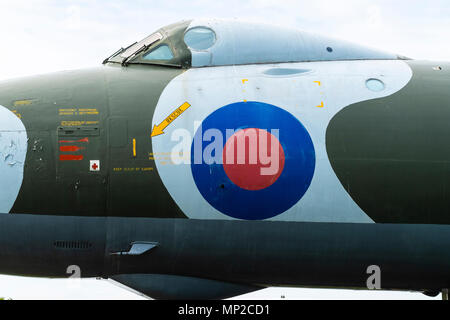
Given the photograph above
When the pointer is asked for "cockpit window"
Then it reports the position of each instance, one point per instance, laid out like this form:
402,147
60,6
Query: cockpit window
200,38
162,52
166,47
148,41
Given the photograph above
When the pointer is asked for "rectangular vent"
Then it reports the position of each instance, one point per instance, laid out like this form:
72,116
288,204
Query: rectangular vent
72,244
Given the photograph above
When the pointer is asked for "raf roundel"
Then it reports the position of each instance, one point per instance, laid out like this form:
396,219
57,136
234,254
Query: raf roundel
252,160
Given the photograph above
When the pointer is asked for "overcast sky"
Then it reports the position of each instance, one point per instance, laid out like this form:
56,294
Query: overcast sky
40,36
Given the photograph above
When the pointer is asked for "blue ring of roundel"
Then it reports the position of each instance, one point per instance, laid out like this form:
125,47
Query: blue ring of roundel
221,193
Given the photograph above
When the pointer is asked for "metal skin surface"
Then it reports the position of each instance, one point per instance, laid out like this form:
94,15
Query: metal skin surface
392,154
83,175
122,99
258,253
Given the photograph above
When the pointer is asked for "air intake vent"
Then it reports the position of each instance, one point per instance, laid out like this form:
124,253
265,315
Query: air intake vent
72,244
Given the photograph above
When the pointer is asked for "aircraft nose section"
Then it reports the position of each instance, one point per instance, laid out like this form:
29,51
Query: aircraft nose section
13,149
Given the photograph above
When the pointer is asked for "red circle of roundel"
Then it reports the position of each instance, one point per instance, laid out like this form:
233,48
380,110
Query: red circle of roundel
247,158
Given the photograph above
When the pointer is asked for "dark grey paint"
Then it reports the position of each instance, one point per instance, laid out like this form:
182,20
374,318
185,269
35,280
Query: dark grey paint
413,257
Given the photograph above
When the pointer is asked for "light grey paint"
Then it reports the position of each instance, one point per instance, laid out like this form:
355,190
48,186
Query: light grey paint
342,83
239,42
13,149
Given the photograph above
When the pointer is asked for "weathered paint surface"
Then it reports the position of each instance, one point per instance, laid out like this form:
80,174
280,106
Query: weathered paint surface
99,111
13,148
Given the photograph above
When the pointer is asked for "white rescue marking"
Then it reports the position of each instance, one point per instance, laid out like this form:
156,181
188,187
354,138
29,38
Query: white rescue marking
94,165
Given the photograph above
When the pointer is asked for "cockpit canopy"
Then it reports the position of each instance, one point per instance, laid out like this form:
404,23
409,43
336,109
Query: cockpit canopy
214,42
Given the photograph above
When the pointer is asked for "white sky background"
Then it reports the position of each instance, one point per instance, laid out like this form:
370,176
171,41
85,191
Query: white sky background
40,36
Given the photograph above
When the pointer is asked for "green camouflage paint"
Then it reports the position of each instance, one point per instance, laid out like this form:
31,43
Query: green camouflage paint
392,155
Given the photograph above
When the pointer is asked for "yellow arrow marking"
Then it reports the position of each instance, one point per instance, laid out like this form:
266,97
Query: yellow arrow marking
159,129
321,105
244,81
318,82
